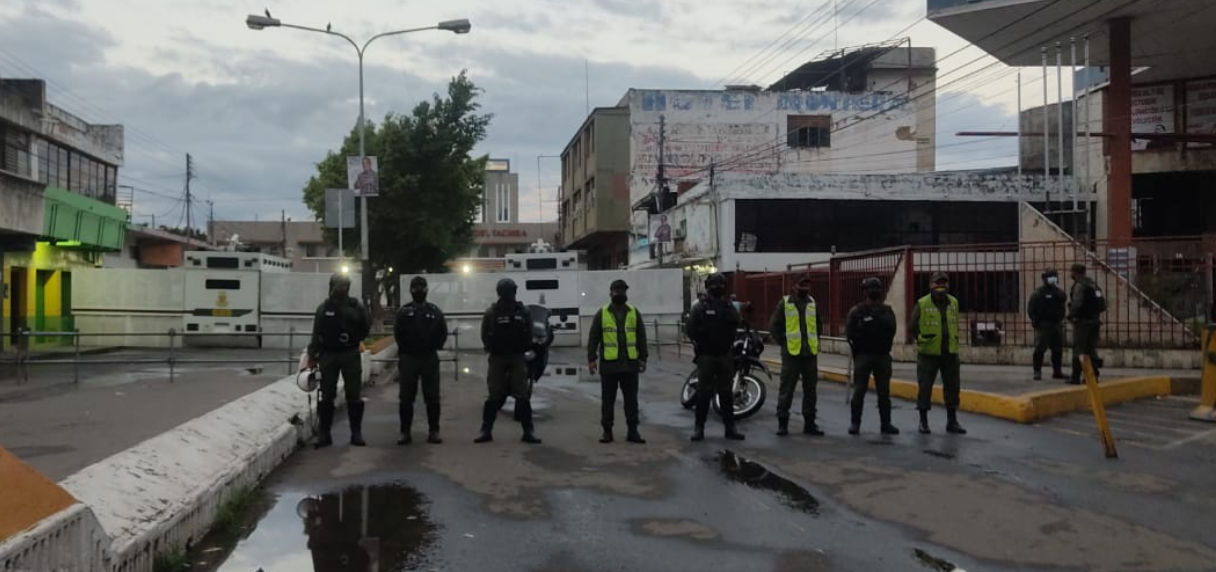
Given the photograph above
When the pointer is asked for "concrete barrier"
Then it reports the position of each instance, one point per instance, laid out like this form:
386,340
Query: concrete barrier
1027,407
163,494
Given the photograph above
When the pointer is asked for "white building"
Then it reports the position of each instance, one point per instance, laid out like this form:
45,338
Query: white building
759,223
866,111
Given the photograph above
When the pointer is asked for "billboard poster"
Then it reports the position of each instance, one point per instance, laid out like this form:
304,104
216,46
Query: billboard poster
363,176
1152,112
660,234
1201,110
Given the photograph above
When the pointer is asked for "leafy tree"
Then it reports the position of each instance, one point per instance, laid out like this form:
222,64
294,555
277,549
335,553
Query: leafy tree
430,184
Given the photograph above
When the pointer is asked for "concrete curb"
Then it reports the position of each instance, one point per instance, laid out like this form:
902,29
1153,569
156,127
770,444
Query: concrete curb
1026,407
164,493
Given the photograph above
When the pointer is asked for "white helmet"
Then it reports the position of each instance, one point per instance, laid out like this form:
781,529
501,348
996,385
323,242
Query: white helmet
308,380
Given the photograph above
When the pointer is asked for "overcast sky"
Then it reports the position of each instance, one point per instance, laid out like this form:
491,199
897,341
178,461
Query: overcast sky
258,109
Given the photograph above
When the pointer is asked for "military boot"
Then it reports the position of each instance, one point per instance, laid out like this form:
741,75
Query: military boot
488,413
354,413
952,425
405,412
524,410
924,423
432,421
325,417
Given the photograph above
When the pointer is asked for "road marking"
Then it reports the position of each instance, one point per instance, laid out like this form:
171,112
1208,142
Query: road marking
1195,437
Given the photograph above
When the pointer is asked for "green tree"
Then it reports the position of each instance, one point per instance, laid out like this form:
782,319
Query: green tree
430,184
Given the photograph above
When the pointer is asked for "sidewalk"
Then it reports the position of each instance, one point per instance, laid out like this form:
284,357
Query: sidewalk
1010,392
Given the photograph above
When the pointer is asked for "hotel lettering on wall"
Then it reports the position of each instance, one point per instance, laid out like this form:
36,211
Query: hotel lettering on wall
500,233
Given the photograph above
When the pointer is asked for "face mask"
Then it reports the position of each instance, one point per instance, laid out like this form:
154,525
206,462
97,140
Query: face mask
339,292
418,295
941,289
874,295
619,299
804,293
1053,280
717,292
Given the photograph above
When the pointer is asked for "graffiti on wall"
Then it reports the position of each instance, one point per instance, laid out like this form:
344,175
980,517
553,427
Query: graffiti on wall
735,131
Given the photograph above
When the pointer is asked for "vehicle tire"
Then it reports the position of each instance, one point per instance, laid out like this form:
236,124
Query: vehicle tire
688,395
749,399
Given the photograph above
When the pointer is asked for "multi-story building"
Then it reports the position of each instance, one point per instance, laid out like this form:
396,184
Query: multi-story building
869,110
595,189
1149,99
496,227
58,188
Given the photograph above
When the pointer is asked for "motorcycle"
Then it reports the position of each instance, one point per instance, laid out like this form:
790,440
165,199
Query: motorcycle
537,354
542,337
749,388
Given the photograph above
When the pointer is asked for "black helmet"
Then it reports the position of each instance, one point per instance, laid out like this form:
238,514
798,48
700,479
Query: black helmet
871,283
506,286
339,282
716,279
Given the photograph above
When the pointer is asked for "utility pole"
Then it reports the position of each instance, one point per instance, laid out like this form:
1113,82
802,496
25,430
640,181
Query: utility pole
189,177
660,185
283,219
211,221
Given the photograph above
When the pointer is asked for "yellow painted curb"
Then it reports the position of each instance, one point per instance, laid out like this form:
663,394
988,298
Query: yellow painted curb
28,496
1026,407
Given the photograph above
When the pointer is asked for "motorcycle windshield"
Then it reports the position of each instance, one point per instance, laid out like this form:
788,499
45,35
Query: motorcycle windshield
540,321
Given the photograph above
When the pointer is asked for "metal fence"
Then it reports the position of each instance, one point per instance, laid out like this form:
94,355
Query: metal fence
1159,291
24,358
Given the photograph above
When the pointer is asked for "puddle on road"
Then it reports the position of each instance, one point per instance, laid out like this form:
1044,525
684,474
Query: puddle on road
757,476
934,563
380,527
939,454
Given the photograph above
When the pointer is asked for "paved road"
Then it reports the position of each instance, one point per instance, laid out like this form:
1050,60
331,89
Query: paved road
60,427
1006,497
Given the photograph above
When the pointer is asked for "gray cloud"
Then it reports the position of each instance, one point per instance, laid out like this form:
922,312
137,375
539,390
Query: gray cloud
961,111
256,136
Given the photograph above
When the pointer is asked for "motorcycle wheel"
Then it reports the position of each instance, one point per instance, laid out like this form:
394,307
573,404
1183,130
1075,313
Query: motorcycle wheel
749,398
688,395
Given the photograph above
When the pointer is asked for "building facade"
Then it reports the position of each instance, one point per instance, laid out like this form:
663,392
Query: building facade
497,230
764,223
302,242
868,110
595,202
58,189
1150,94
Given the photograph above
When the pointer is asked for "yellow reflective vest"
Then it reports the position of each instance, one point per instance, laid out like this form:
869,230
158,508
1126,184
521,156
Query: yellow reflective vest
612,345
793,327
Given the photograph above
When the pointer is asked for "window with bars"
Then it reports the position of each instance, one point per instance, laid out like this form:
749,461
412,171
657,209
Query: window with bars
808,131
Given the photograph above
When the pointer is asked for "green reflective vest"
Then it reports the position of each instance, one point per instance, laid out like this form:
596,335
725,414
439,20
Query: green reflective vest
612,345
929,337
793,328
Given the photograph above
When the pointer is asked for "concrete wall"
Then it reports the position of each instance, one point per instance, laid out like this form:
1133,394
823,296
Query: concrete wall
290,300
21,204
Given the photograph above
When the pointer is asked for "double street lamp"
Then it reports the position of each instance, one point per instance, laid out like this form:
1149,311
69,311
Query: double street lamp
461,26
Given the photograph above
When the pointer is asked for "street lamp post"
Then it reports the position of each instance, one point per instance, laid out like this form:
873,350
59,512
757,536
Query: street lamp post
461,26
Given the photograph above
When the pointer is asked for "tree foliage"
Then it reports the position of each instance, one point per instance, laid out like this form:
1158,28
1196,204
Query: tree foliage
430,183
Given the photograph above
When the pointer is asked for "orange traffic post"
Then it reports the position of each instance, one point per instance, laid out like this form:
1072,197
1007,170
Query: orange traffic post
1096,403
1207,399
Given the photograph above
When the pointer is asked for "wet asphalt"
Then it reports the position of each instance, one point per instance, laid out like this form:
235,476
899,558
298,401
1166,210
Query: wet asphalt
1004,497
